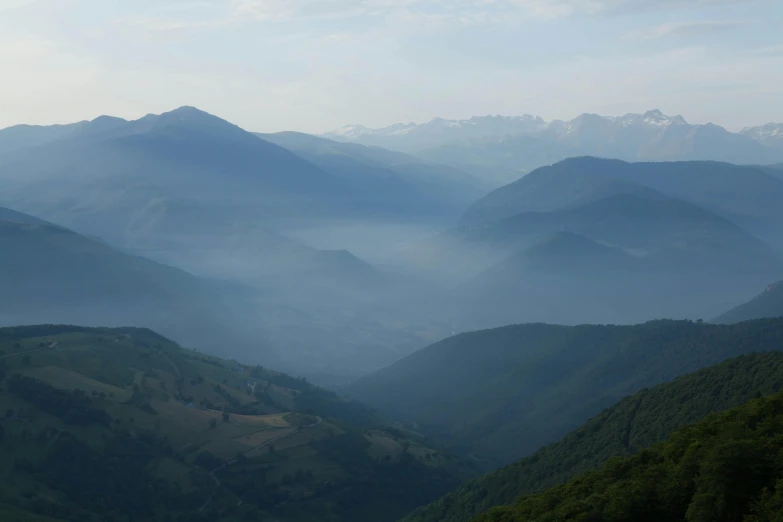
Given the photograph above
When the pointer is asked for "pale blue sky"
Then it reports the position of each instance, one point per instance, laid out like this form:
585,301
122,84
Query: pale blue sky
313,65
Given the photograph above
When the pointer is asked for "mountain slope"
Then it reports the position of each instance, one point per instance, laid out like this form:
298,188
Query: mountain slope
503,393
747,196
767,304
184,169
635,423
397,176
566,252
688,262
770,134
105,424
177,158
635,218
438,131
24,136
724,468
191,190
727,189
49,273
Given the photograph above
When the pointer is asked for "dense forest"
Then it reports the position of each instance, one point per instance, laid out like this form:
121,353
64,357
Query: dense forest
726,468
636,422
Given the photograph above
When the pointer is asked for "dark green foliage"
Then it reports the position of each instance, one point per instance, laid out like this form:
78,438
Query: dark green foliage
330,404
377,491
207,461
506,392
636,422
112,482
73,406
721,469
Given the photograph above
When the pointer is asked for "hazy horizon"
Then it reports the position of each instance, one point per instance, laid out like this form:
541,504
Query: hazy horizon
309,66
418,122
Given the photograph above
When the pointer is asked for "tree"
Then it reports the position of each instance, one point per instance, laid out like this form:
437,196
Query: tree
226,416
212,423
26,360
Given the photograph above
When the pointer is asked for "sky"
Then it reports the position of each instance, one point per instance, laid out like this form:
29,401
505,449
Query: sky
315,65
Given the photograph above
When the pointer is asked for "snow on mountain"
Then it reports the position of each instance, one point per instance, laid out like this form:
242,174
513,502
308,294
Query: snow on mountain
502,148
500,126
770,134
475,127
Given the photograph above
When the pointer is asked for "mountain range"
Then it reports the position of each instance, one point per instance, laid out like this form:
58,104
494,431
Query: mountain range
191,190
175,173
580,241
501,149
275,219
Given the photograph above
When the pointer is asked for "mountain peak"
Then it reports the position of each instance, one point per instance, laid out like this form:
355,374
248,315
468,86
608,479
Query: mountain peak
102,120
197,120
187,109
654,113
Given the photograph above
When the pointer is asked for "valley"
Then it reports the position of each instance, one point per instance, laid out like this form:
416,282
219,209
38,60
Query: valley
294,327
391,261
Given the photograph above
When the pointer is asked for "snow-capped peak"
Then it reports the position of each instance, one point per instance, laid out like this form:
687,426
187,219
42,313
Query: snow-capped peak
351,131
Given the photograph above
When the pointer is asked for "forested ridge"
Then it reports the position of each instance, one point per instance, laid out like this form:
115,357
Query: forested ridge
636,422
507,392
725,468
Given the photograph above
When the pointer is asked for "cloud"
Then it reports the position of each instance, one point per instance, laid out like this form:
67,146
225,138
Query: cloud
685,29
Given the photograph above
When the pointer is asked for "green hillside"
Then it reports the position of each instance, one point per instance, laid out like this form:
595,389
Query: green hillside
502,394
726,468
634,423
767,304
122,424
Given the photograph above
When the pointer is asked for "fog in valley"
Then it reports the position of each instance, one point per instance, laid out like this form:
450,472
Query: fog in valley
340,261
391,261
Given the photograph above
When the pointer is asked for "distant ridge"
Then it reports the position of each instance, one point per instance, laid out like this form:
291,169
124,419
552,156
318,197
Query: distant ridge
501,149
